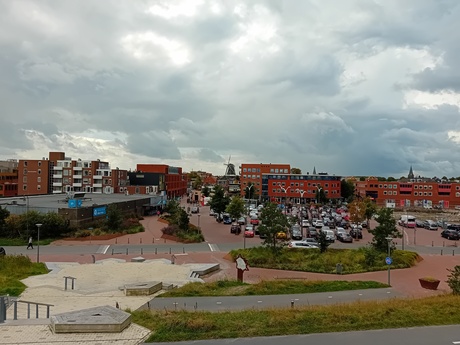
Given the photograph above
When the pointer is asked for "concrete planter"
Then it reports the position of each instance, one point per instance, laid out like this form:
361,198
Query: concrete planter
430,284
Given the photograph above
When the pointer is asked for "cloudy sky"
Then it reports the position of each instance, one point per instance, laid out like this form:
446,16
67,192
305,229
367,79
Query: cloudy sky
353,87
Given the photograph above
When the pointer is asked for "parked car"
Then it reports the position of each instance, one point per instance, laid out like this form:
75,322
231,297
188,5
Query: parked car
311,241
302,245
431,225
235,229
242,220
296,232
330,236
254,220
356,233
2,251
281,235
211,212
305,223
195,209
312,232
249,232
344,237
450,234
227,219
419,223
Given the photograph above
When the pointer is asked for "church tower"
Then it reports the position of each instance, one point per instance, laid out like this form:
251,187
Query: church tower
411,174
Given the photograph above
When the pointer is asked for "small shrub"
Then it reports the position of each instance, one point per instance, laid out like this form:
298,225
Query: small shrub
453,280
171,230
82,233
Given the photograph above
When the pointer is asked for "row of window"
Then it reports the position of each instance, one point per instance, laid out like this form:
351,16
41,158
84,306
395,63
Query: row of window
309,191
251,170
252,176
39,163
24,179
301,184
24,187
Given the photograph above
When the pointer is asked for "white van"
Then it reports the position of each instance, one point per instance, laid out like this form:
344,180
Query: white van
330,236
407,221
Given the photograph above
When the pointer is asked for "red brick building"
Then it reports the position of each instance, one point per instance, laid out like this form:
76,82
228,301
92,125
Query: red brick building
9,178
252,174
175,182
415,192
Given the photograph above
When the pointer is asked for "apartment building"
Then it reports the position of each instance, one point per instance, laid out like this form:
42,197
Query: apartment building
251,174
166,178
60,174
299,188
8,178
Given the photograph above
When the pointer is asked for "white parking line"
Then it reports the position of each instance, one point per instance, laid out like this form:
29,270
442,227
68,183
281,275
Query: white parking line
103,249
456,342
213,247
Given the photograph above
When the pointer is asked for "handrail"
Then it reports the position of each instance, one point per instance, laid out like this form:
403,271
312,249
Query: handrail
37,304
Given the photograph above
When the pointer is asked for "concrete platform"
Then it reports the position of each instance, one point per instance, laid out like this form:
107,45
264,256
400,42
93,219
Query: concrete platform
105,319
142,289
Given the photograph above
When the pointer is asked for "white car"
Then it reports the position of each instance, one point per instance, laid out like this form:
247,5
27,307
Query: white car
305,223
302,244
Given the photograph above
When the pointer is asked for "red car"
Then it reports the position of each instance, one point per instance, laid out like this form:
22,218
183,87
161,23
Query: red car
249,233
254,221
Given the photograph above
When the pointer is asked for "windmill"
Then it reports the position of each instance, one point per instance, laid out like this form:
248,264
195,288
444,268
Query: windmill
230,170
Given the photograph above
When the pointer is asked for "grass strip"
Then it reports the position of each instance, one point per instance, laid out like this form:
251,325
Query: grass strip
395,313
276,287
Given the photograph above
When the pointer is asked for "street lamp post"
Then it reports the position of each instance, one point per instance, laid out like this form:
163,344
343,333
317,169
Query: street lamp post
249,190
319,192
285,198
38,241
198,220
389,239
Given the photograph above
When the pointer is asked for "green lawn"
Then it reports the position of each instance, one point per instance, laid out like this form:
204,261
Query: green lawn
13,268
21,242
276,287
396,313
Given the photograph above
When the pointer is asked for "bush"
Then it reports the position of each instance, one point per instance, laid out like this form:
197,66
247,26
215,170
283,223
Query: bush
171,230
453,280
82,233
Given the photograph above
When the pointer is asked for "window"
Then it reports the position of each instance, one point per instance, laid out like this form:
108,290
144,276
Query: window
395,192
24,187
425,194
253,169
425,186
24,179
272,170
394,186
415,193
258,170
25,163
430,187
39,179
295,184
390,186
39,187
326,185
384,192
457,194
285,171
65,172
273,183
384,186
415,186
301,184
430,194
39,171
276,171
380,185
244,169
254,176
25,171
244,176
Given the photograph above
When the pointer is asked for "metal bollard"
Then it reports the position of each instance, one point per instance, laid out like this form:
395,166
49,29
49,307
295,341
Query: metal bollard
126,251
443,243
169,250
155,250
165,240
2,309
432,243
140,241
153,240
142,251
441,251
292,303
116,240
112,251
15,310
128,240
453,252
183,250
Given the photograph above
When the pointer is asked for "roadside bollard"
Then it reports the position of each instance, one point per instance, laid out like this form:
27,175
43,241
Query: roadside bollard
153,240
432,243
183,250
126,251
441,251
453,252
116,240
169,250
165,240
155,250
140,241
128,240
112,251
142,251
443,243
292,303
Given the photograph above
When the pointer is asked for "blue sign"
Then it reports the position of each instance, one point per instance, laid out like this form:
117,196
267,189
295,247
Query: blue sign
99,211
388,260
74,203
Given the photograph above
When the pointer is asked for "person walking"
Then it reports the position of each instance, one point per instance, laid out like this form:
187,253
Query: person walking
30,245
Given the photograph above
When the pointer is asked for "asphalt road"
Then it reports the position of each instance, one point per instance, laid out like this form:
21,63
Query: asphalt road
227,303
436,335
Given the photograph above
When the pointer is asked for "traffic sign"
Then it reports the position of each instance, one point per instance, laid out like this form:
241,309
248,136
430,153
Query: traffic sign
388,260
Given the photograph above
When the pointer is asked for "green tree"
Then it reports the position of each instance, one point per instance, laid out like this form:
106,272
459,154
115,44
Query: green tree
236,207
4,213
362,178
249,191
453,280
114,218
53,225
386,228
182,219
322,241
370,208
391,179
347,189
206,191
219,200
197,183
273,221
296,171
172,206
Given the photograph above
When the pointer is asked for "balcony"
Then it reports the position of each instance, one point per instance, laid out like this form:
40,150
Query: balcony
57,167
77,168
77,177
57,191
77,184
405,189
97,177
97,185
57,184
57,175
